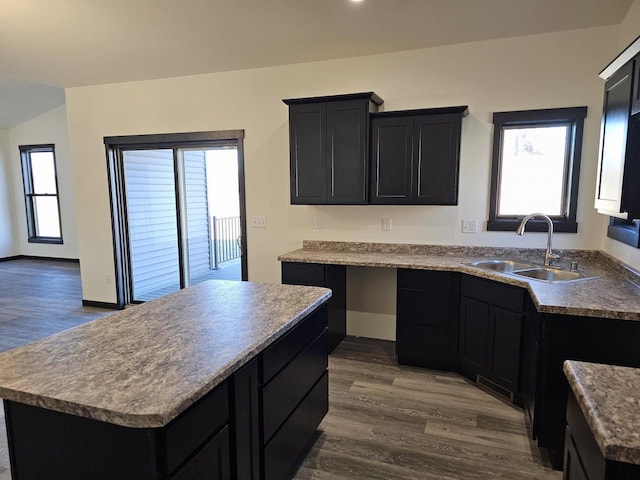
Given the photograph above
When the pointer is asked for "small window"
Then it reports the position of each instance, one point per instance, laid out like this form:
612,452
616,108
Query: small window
536,167
41,193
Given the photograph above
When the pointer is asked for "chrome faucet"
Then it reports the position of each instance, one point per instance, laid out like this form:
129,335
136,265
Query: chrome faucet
549,256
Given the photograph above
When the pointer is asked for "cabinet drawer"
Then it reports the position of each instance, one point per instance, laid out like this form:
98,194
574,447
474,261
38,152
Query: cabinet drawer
291,385
278,355
187,432
312,274
212,462
498,294
432,281
293,438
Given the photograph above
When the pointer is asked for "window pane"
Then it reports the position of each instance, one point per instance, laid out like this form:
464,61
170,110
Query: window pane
46,216
533,170
43,172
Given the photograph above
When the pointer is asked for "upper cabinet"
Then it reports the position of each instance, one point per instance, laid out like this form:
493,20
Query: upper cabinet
329,148
415,156
617,194
343,152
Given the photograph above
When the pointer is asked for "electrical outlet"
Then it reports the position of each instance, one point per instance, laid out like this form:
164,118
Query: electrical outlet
469,226
259,222
317,222
386,224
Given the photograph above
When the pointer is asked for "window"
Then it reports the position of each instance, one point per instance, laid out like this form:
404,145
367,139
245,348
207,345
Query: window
536,167
41,193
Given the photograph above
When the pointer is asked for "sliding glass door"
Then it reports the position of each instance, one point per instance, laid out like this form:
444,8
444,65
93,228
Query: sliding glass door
149,179
178,216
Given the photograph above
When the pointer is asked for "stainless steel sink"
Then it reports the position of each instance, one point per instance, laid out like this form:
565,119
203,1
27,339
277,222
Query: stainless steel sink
530,270
550,275
504,266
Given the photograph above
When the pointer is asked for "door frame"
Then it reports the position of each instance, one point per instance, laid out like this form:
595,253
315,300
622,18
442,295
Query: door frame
114,147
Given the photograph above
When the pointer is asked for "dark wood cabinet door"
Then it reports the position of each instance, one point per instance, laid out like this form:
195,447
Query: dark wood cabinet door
635,101
504,348
328,276
212,461
613,140
436,159
392,151
474,336
572,469
427,318
347,151
307,143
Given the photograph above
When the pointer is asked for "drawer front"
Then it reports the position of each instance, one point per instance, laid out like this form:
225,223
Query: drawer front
287,389
286,446
312,274
498,294
186,433
425,309
278,355
212,462
432,281
425,280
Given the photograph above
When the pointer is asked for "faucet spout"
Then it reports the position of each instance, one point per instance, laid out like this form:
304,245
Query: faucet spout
549,256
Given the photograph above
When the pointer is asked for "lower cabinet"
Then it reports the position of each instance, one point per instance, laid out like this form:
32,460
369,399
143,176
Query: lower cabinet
333,277
427,318
583,459
491,317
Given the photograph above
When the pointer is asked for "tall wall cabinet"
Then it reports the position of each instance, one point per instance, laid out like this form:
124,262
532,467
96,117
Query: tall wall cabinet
329,148
617,194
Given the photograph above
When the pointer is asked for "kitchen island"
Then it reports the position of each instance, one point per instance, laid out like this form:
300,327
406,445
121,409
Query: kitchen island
190,382
603,422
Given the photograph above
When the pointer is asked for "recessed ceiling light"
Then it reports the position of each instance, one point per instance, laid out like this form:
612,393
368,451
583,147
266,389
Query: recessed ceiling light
357,1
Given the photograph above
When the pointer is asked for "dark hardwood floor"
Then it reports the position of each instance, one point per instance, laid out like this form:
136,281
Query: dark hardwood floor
391,422
39,298
385,422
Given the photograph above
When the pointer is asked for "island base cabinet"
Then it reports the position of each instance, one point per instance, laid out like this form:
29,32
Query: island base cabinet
583,459
44,444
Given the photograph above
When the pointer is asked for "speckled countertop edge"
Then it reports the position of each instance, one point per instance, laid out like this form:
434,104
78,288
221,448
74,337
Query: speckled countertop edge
609,397
143,366
612,292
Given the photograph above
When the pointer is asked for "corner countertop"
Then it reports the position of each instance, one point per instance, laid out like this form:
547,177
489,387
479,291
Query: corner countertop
613,292
609,397
145,365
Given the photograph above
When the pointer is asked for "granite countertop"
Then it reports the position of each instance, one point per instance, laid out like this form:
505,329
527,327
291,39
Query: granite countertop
612,292
609,397
145,365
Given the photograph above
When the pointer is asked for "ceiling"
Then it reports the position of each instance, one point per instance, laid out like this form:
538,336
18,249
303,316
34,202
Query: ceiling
67,43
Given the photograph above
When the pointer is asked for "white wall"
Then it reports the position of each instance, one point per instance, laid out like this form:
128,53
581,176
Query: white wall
542,71
8,246
50,127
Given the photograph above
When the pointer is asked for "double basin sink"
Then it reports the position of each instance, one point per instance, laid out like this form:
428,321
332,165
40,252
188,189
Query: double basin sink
529,270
